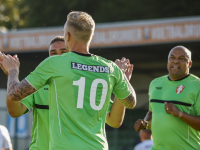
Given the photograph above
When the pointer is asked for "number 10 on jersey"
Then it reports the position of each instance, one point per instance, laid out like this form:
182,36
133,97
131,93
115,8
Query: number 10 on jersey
93,91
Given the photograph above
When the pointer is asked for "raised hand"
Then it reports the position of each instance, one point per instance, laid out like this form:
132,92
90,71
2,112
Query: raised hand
3,69
125,66
129,72
8,62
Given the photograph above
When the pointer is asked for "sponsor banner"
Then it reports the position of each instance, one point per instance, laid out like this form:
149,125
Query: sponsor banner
20,42
109,34
147,34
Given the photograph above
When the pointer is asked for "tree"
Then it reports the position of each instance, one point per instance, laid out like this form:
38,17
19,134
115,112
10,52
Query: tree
37,13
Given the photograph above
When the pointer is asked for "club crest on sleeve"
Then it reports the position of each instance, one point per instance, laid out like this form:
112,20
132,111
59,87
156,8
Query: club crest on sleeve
180,89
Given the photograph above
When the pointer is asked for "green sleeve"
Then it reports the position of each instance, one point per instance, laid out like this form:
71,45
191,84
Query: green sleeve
42,74
121,88
110,105
150,108
197,104
28,102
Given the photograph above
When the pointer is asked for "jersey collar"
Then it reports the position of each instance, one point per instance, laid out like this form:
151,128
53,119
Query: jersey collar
88,55
180,78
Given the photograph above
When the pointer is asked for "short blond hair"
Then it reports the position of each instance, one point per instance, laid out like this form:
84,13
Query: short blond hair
82,25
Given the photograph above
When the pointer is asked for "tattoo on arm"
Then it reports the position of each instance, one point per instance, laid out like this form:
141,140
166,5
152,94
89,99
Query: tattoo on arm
128,102
18,90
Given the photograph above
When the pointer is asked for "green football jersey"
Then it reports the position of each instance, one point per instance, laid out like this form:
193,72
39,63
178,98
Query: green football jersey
40,126
80,87
169,132
110,105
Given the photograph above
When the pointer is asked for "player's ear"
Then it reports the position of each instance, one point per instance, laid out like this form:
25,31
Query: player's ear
190,64
68,36
92,35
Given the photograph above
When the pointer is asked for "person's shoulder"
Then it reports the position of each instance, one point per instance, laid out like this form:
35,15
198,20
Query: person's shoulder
145,144
160,79
46,87
46,60
103,59
3,128
41,93
54,57
148,142
107,62
194,80
139,146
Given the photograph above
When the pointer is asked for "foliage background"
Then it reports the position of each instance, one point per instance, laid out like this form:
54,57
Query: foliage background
15,14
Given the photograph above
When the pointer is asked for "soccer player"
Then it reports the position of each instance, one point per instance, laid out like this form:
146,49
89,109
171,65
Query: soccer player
146,142
40,128
80,86
116,113
39,102
174,105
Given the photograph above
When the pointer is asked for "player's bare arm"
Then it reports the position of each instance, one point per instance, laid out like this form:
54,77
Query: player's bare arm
116,115
148,119
3,69
15,108
193,121
130,101
127,68
16,90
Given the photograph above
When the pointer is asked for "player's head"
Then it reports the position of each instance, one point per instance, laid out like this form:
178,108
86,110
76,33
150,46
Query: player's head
179,62
57,46
145,135
79,27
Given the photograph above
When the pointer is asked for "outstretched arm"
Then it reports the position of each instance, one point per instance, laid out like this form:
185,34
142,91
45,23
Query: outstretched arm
16,90
130,101
116,115
15,108
193,121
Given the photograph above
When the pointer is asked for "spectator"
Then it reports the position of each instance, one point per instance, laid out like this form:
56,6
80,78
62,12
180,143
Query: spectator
5,142
146,142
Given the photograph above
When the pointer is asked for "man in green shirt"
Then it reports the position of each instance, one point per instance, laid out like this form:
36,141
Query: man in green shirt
40,126
38,101
174,105
80,86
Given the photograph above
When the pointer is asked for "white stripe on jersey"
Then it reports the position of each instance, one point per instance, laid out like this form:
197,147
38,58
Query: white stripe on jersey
57,105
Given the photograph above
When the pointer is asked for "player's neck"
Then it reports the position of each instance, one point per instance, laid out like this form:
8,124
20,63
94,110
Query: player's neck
80,48
178,78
